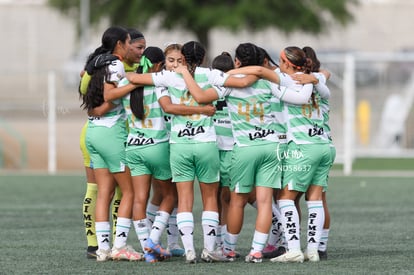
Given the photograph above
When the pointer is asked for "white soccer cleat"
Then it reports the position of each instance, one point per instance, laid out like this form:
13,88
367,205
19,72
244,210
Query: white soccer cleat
103,255
212,256
312,255
190,257
256,257
295,256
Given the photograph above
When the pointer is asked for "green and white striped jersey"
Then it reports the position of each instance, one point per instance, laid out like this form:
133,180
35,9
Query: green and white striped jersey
167,117
305,123
322,95
222,123
191,128
277,107
151,130
324,108
251,113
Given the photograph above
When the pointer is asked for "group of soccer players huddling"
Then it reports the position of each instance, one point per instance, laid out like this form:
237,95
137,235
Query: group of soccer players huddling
247,129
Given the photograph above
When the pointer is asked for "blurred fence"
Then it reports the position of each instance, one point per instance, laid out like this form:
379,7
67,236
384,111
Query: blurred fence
26,132
371,104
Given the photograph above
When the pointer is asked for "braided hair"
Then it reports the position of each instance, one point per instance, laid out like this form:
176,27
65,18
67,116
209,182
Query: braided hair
249,54
194,54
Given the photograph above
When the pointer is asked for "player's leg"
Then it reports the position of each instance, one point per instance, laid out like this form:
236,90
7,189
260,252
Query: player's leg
142,185
185,218
291,226
314,195
322,249
89,201
120,249
106,188
325,233
235,219
316,219
169,195
89,205
116,200
263,223
154,204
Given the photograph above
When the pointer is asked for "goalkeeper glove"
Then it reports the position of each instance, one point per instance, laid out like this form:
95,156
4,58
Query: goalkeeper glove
99,61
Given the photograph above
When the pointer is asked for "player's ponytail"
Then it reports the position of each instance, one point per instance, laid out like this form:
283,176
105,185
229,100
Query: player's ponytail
150,57
297,59
194,54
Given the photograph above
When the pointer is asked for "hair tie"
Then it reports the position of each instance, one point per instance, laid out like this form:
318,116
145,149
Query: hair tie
145,63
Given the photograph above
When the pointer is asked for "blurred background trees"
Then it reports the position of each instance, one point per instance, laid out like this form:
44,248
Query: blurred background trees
201,16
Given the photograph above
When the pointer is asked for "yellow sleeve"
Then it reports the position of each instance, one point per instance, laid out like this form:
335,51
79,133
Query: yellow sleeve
84,83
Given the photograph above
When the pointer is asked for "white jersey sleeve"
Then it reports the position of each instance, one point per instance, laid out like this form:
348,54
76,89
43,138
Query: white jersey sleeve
217,77
160,79
161,92
168,79
321,87
291,92
222,92
225,91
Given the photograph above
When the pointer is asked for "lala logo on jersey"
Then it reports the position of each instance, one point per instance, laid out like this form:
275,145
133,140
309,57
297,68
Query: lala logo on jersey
140,140
190,130
316,130
260,133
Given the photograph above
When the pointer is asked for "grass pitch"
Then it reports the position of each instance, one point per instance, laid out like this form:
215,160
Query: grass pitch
42,231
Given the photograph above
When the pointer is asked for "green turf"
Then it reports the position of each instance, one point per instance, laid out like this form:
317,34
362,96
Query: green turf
41,231
383,164
396,164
